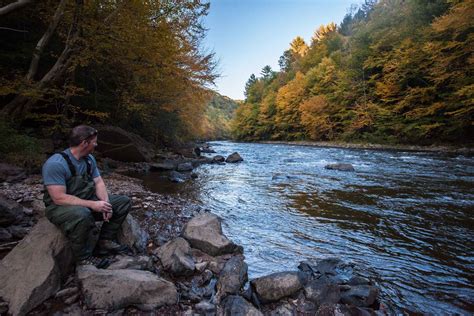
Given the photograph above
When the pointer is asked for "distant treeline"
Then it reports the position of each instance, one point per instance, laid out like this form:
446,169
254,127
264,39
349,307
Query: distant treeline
134,64
394,71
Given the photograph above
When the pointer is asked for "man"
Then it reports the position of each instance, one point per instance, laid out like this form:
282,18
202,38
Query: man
76,197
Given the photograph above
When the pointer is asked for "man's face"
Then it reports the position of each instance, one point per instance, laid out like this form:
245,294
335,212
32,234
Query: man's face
91,144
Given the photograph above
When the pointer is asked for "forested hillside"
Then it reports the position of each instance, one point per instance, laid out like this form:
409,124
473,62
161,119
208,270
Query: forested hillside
394,71
134,64
219,113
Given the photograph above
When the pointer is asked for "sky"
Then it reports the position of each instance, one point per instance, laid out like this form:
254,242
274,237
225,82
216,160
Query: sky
246,35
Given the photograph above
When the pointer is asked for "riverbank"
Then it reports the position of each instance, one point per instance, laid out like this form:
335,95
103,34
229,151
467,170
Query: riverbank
213,282
414,148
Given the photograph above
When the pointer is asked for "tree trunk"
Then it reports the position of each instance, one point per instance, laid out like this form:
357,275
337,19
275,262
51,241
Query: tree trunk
22,104
14,6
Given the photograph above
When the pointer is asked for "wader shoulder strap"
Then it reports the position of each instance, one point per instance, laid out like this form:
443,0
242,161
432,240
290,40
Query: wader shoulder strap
69,163
89,165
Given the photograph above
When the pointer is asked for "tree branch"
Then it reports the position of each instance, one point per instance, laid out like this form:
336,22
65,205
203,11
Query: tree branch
45,40
14,6
14,30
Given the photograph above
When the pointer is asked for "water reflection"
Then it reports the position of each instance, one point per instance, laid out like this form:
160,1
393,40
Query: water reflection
407,216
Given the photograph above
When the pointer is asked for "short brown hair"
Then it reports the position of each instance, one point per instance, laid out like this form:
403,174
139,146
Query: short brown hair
81,133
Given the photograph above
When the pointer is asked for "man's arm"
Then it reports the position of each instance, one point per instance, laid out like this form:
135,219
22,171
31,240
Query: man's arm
100,189
59,197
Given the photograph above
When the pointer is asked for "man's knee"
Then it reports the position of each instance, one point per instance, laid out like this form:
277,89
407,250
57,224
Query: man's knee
122,204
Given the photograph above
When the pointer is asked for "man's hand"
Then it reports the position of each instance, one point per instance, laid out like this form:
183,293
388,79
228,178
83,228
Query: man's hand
107,215
101,206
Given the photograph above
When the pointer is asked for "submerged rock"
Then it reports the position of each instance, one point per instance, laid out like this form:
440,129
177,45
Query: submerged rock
234,157
340,167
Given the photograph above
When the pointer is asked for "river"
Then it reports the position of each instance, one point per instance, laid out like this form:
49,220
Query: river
406,216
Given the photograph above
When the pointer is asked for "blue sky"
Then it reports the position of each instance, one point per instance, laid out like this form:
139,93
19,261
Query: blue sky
246,35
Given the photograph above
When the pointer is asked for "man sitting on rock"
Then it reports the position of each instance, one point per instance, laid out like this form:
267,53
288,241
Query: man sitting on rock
76,197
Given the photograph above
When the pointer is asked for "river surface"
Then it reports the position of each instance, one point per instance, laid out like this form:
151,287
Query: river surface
406,216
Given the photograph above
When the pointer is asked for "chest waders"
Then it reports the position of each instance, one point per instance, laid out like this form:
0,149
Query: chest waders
78,222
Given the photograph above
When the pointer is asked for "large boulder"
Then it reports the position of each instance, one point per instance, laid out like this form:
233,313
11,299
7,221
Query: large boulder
340,167
115,289
118,144
204,232
176,257
272,287
233,277
32,271
11,173
234,305
132,235
10,211
233,158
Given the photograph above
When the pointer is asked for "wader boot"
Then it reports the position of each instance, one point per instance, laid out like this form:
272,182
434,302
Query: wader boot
78,222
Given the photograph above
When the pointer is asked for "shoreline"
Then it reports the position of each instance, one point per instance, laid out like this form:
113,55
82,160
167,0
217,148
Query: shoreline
412,148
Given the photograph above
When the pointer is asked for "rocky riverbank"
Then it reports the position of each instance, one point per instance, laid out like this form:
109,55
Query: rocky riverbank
468,150
180,262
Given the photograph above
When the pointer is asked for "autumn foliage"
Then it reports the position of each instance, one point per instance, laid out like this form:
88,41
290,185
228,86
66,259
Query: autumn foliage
135,64
393,71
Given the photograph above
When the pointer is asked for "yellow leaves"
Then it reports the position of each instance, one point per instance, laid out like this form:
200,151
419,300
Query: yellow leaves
315,118
298,46
323,31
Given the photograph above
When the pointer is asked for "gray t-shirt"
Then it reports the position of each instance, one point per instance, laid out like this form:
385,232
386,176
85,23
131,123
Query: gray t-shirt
56,171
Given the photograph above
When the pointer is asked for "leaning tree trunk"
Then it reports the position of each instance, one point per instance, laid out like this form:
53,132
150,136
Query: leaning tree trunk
22,104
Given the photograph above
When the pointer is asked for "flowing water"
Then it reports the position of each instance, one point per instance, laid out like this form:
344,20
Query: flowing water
406,216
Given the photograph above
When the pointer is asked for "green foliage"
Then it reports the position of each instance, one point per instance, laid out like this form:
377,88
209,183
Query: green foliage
394,71
19,149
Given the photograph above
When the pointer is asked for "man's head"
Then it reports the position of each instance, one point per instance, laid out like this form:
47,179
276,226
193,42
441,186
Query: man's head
83,136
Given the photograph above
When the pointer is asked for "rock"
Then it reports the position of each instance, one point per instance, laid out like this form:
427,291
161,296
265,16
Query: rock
201,266
333,309
340,167
5,234
234,305
118,144
205,307
359,280
176,257
333,269
38,207
164,166
233,276
284,310
204,232
134,263
72,299
10,212
25,285
3,308
272,287
218,158
233,158
11,173
360,295
18,232
132,235
115,289
320,291
185,166
66,292
178,177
